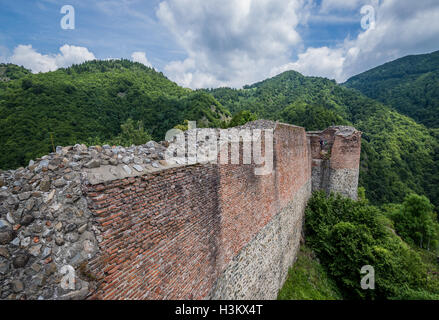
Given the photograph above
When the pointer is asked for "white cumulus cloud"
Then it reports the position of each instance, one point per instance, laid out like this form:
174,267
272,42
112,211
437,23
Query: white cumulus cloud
402,28
231,42
319,62
236,42
140,57
28,57
329,5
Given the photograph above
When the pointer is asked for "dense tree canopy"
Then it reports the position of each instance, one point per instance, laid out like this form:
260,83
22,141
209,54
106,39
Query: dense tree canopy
416,222
91,101
410,85
11,71
347,235
121,102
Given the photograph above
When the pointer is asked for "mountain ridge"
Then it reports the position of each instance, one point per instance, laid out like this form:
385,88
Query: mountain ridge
408,84
398,154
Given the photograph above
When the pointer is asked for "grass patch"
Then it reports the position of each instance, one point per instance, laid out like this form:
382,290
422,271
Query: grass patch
307,280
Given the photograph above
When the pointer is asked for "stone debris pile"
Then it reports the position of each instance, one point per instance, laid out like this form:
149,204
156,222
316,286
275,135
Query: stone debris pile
45,223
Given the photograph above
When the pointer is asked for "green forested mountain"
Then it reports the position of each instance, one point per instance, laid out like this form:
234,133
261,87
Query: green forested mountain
399,156
409,84
91,100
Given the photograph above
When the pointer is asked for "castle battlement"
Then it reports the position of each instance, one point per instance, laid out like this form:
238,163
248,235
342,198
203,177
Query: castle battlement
124,223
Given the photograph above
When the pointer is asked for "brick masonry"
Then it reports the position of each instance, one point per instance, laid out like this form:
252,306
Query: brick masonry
259,270
261,219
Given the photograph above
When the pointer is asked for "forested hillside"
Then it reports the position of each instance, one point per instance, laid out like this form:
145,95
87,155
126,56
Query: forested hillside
399,156
399,241
409,84
91,101
122,102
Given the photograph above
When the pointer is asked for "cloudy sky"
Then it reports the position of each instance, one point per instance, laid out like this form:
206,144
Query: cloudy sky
212,43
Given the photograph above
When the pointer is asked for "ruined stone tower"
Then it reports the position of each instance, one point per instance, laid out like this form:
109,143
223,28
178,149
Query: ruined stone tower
336,160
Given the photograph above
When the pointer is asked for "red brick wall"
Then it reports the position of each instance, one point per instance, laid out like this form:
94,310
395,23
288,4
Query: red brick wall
249,202
159,235
336,165
169,235
315,146
346,152
293,161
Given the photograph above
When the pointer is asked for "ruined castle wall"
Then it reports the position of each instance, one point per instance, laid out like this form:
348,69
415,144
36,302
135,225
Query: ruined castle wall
259,270
129,225
261,219
204,231
345,164
46,229
160,234
320,174
335,165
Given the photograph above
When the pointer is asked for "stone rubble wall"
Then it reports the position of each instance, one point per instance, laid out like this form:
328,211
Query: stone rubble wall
45,224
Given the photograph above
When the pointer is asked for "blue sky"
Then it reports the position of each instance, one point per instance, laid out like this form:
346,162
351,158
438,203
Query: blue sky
207,43
105,29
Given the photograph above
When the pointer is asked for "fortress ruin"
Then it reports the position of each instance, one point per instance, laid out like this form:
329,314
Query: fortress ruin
122,223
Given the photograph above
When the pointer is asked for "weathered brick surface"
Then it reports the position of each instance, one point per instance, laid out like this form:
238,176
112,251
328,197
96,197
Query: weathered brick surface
260,268
171,234
249,202
346,152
